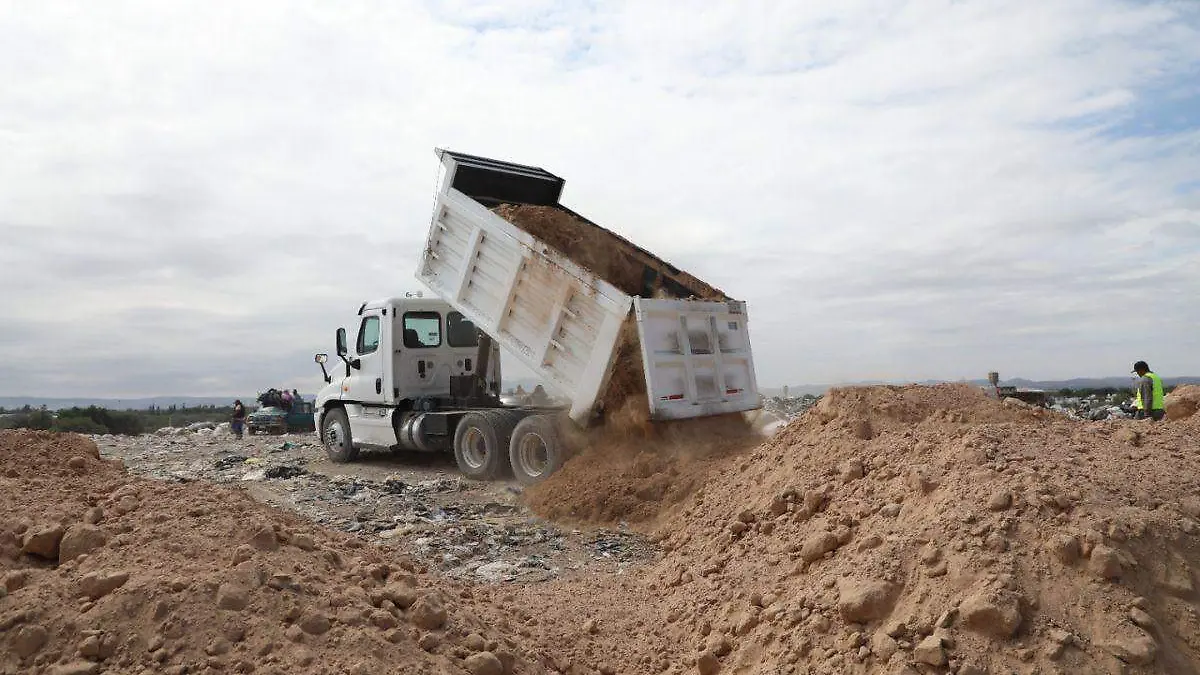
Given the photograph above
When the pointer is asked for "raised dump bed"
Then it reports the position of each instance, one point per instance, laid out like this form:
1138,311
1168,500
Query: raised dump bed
556,290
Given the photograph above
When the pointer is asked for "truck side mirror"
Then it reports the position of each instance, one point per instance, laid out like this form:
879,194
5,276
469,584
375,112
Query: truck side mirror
341,342
321,359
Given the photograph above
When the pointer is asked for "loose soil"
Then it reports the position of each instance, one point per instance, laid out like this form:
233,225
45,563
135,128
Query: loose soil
594,248
886,530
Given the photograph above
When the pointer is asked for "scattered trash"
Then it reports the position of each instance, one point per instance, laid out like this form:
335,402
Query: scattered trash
456,525
228,462
285,471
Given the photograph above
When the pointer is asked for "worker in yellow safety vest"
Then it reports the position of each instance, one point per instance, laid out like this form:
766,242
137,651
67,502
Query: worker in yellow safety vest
1149,399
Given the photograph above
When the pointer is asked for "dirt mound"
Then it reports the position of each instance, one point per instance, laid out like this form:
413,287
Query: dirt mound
1183,402
105,572
950,534
930,529
634,471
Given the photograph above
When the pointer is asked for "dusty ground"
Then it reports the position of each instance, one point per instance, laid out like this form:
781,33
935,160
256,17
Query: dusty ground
887,530
407,502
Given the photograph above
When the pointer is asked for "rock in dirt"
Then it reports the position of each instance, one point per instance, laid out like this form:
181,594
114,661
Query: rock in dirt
863,600
429,641
883,645
475,642
1000,501
1065,548
96,585
43,542
920,480
75,668
818,545
1142,619
428,613
401,595
995,614
1104,562
80,539
93,515
126,504
232,597
315,624
265,540
851,469
707,663
484,663
1131,646
29,640
930,651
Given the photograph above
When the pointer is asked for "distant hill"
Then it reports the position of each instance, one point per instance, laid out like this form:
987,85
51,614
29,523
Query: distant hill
1049,385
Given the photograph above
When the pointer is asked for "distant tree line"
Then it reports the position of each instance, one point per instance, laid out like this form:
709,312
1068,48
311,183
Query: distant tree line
89,420
98,420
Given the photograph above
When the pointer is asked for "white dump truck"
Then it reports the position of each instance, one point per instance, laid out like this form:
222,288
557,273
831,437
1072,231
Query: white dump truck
424,374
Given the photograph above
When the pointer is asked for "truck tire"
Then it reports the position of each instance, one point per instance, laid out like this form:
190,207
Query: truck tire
505,422
478,449
335,436
535,450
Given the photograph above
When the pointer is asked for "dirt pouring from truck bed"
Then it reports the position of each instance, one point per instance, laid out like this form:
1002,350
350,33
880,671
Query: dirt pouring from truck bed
887,530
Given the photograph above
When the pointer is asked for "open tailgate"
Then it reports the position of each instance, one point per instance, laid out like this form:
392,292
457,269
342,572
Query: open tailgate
696,355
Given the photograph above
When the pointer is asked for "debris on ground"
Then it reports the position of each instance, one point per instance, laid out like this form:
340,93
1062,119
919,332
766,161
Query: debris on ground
421,507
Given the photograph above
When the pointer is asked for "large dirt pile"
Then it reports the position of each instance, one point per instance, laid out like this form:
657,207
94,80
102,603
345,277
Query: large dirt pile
930,529
633,471
106,573
1183,402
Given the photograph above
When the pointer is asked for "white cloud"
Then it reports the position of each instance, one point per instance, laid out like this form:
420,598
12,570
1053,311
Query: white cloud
201,192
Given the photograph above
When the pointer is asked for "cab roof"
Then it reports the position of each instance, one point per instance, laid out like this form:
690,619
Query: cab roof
418,304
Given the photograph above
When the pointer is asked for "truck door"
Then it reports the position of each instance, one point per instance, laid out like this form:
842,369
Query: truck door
371,382
421,359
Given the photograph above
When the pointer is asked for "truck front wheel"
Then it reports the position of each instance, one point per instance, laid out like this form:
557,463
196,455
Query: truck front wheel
535,450
335,434
478,449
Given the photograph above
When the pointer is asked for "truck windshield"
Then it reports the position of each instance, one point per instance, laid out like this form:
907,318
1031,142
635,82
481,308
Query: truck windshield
460,332
422,330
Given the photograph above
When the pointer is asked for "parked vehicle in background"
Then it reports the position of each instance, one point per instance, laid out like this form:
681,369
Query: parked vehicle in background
276,420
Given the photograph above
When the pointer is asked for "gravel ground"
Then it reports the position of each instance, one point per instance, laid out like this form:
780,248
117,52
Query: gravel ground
409,502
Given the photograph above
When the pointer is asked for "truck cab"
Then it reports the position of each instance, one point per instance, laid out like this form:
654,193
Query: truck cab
405,355
417,375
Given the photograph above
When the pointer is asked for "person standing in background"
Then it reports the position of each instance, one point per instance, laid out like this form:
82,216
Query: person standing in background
239,418
1150,401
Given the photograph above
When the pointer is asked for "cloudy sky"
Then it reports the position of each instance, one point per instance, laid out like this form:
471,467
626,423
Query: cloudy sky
194,195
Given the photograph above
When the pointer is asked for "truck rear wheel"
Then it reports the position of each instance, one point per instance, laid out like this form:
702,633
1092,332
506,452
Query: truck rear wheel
335,435
535,451
478,449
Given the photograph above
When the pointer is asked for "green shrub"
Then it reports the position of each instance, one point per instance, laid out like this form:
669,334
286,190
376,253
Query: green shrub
79,425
